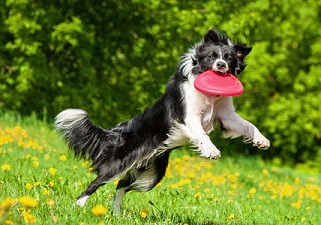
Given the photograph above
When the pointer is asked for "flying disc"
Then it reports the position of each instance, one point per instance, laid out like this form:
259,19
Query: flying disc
215,83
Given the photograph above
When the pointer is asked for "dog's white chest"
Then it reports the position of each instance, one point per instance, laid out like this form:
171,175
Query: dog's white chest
199,112
200,107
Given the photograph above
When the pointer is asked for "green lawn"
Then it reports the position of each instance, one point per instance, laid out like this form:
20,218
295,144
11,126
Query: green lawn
40,179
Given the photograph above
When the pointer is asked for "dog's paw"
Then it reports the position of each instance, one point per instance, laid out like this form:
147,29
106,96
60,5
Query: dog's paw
81,201
210,152
261,142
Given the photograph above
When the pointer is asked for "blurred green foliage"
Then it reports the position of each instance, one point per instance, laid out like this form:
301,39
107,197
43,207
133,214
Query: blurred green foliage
114,58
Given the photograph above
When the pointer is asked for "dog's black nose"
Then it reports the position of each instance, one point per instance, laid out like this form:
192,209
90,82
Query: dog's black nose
221,65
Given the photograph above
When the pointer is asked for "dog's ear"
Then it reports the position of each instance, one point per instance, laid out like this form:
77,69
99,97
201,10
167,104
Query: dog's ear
215,37
242,50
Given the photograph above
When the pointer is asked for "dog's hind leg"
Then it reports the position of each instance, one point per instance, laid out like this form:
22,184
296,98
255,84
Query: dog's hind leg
93,186
118,198
141,179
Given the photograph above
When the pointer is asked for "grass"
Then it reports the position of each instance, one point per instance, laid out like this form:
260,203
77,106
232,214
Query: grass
40,180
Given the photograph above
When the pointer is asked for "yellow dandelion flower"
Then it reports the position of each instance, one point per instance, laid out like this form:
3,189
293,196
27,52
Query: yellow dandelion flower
144,213
116,182
63,158
50,202
186,157
99,210
232,177
207,190
53,171
219,180
8,222
51,184
197,167
5,167
35,163
28,201
308,208
168,174
184,182
297,205
45,191
265,171
231,216
207,165
29,218
197,195
191,174
28,186
287,190
85,163
274,196
21,144
47,156
36,184
253,191
7,203
173,186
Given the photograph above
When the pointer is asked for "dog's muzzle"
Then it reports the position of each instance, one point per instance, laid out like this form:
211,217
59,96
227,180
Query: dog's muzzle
220,66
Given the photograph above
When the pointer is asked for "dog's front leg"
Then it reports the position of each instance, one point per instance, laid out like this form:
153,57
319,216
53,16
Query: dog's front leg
195,132
235,126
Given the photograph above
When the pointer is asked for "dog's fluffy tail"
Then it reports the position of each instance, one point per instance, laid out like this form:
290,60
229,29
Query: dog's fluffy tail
82,136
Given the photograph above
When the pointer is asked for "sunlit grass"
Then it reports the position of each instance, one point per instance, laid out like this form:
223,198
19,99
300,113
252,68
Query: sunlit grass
40,180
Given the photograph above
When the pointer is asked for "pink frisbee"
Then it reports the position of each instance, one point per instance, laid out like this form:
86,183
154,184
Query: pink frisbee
215,83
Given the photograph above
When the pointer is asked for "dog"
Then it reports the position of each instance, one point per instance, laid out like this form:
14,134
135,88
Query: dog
138,151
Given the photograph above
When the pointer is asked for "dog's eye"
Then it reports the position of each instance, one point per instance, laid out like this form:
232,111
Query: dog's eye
212,56
228,57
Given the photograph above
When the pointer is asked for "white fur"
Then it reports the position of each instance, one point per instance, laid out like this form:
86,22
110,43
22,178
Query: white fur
82,201
67,118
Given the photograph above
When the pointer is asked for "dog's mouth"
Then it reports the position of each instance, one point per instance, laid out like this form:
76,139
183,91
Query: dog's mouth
222,73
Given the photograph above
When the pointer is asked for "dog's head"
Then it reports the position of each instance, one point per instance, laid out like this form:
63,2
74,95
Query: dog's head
217,52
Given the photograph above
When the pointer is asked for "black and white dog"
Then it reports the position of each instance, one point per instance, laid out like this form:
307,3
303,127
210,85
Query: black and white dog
137,151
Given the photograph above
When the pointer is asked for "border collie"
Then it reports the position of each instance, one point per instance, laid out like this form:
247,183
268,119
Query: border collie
137,151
